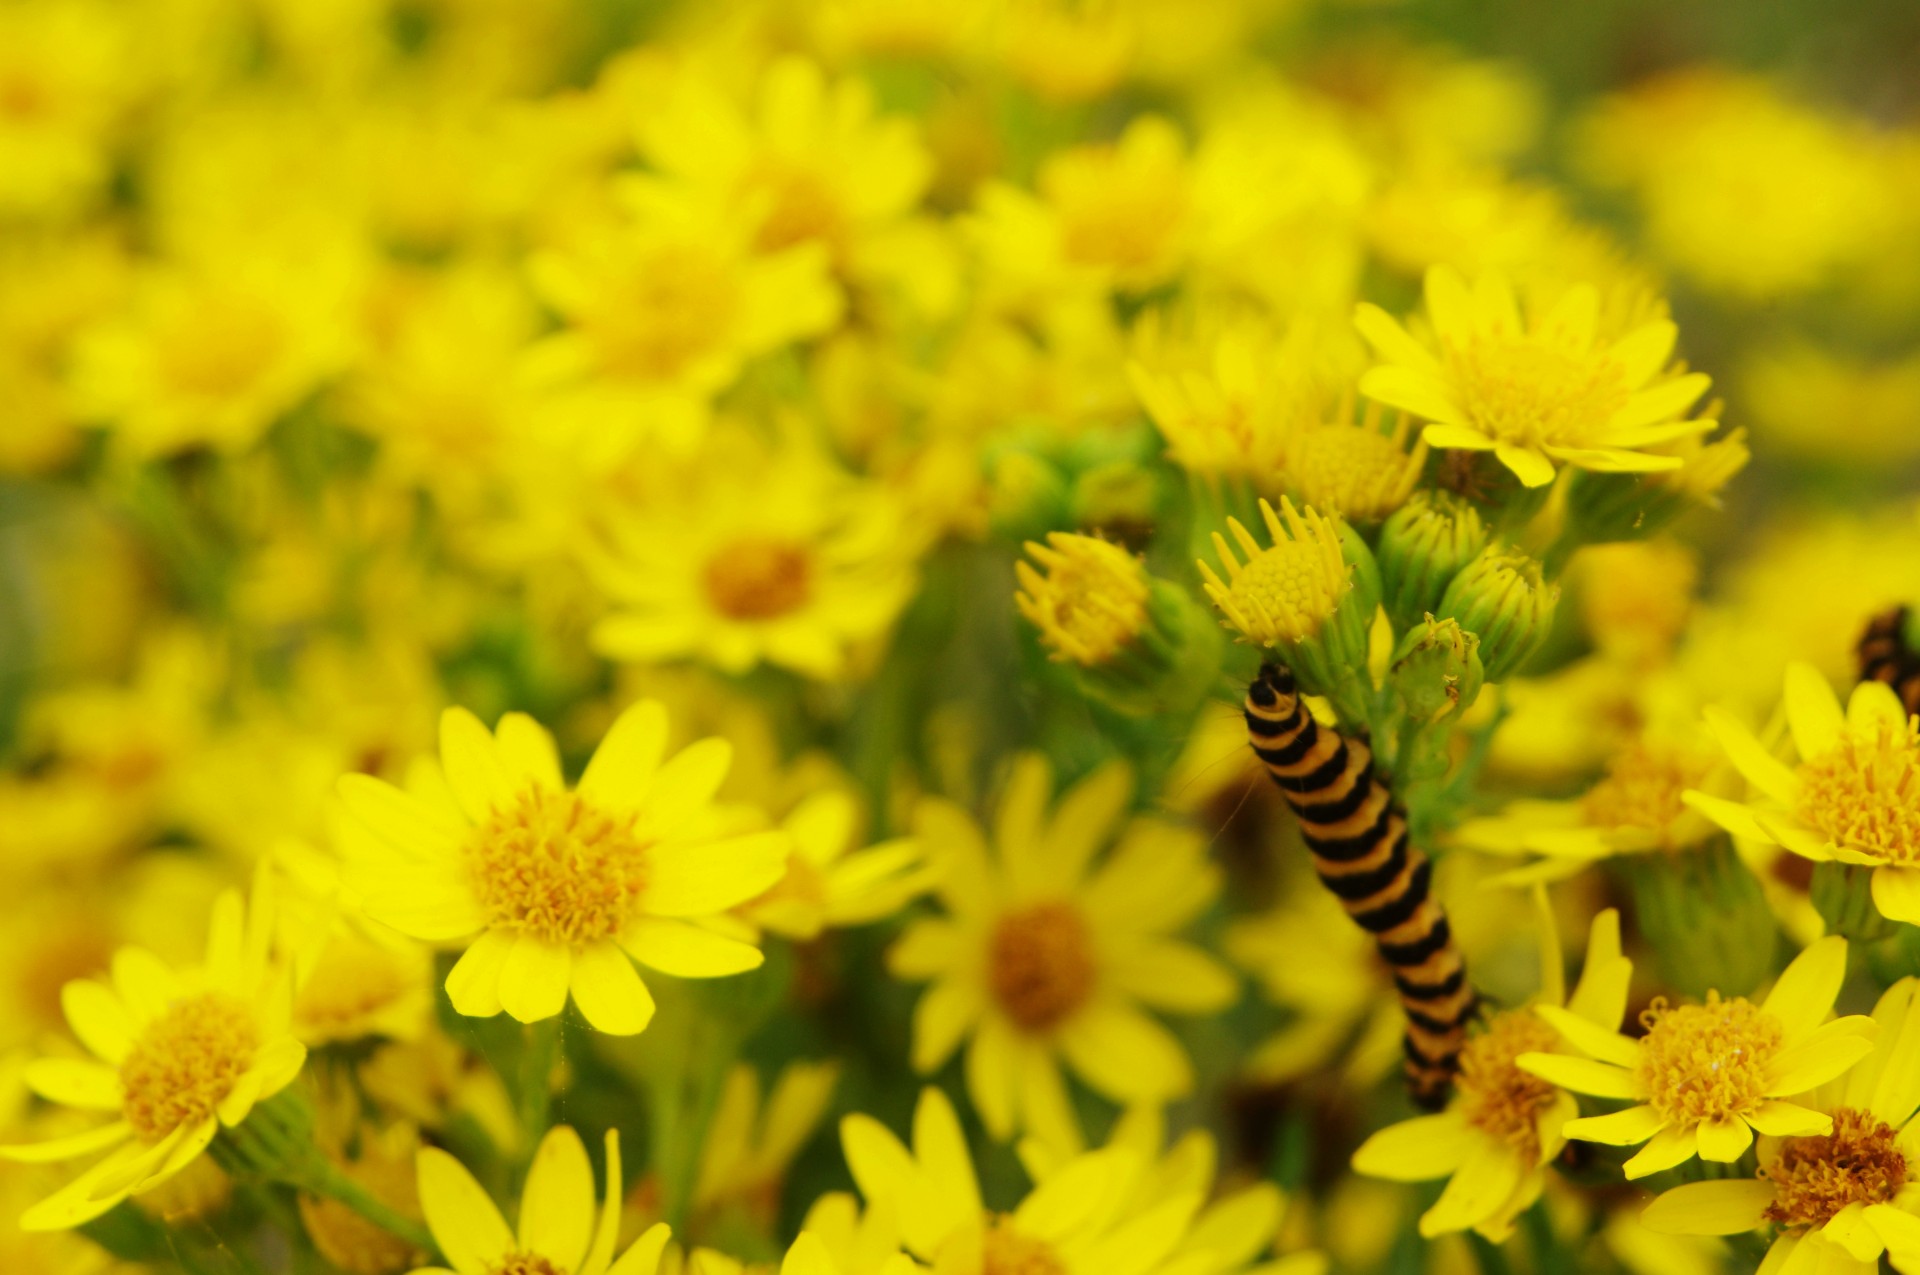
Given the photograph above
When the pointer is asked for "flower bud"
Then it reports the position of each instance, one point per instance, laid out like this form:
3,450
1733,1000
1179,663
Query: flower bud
1436,671
1504,599
1603,508
1423,545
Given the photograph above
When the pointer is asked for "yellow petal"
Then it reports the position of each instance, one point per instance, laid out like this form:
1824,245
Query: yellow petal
1045,1109
1173,976
683,788
1724,1140
1804,994
992,1062
1590,1038
1529,465
1416,1150
702,879
1896,893
145,984
606,1232
1725,1207
1827,1053
609,991
1671,1146
556,1207
1419,394
940,1145
686,950
1125,1054
1759,767
643,1258
473,984
1483,1184
98,1018
533,979
472,1235
1731,815
1391,341
403,822
527,752
1873,705
74,1082
1779,1119
1581,1075
71,1147
473,767
1813,711
622,769
1618,1129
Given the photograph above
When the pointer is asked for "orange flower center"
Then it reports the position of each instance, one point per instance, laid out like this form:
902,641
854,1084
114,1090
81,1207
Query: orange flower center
1706,1062
1815,1178
759,579
1865,791
1498,1098
1040,965
524,1264
1530,392
186,1062
558,867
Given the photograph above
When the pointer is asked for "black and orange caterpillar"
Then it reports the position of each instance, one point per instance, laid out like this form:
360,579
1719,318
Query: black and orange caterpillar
1361,850
1885,656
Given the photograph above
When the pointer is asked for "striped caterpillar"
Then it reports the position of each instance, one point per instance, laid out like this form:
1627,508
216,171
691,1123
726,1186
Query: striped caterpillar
1361,851
1885,656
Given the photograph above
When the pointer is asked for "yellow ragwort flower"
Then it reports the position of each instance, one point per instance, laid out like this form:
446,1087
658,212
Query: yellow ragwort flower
1350,468
1854,797
1091,602
558,887
1706,1078
1533,392
1286,592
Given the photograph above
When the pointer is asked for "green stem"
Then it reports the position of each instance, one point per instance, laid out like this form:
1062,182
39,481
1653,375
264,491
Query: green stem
542,1051
1541,1239
329,1181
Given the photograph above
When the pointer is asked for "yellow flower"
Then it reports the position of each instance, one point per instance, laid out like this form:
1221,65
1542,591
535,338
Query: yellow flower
1284,593
748,1148
761,554
1840,1198
828,882
558,1232
1706,1078
1533,393
1091,603
1854,797
811,1255
1351,469
1075,1222
180,1054
561,886
1044,955
66,68
353,978
1503,1126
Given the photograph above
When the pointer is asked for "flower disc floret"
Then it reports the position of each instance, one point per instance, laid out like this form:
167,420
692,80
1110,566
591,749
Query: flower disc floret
1865,791
1815,1178
1707,1062
524,1264
1496,1096
1040,965
1642,790
1091,602
1287,592
554,865
186,1062
759,578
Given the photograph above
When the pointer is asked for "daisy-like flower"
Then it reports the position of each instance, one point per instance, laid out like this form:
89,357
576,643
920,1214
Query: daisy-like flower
1091,602
561,886
1706,1078
558,1232
1853,797
1286,592
177,1055
1044,955
1836,1200
828,882
1535,392
1083,1219
1495,1138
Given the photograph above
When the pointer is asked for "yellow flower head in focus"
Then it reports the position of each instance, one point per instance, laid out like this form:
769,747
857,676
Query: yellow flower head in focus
1351,469
1503,1126
1705,1078
558,1232
1286,592
560,890
1854,795
756,554
1091,602
1843,1196
177,1056
1076,1221
1048,951
1534,392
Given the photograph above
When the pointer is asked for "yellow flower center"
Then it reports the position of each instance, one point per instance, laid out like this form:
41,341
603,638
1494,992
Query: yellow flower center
221,347
1091,602
1004,1251
1814,1178
1285,593
353,979
1496,1096
759,578
185,1063
1359,473
1040,965
559,868
1865,791
1642,791
1706,1062
524,1264
669,309
1529,392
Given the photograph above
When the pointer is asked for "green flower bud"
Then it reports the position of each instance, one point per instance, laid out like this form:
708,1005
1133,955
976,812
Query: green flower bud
1436,671
1422,547
1505,600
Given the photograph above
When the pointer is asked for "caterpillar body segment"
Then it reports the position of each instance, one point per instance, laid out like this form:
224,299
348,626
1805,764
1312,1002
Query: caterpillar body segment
1885,656
1361,851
